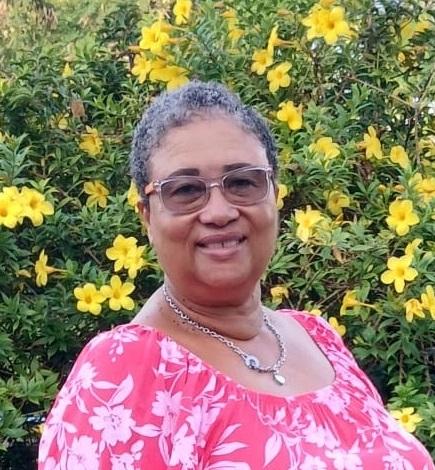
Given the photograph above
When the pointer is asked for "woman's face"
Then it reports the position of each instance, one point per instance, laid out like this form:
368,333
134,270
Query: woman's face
190,258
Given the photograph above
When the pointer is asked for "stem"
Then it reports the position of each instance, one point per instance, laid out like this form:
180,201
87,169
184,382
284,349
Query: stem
380,90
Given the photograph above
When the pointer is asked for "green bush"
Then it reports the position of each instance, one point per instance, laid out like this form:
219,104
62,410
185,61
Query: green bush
349,100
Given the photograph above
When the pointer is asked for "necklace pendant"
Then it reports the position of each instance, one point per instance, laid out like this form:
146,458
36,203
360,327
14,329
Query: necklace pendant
279,379
252,362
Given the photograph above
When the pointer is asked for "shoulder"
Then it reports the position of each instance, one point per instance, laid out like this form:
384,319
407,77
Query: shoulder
111,350
317,327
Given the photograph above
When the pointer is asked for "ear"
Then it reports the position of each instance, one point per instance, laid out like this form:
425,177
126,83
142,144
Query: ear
144,213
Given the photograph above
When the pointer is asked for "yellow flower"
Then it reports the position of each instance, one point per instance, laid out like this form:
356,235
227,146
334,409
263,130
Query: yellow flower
97,193
398,155
89,299
42,270
141,67
340,329
426,188
61,121
412,246
15,197
336,201
67,71
126,254
155,37
428,300
327,23
181,10
306,221
278,77
133,196
409,28
120,250
333,25
229,14
39,428
118,294
290,114
399,271
173,75
350,301
10,211
282,193
313,21
413,308
135,261
274,41
407,418
91,142
316,312
278,293
260,61
35,206
402,216
372,144
325,147
235,34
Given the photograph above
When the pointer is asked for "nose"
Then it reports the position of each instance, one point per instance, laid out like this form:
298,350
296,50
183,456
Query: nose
218,211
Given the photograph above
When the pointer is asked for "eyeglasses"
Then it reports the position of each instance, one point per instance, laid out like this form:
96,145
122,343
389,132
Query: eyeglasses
186,194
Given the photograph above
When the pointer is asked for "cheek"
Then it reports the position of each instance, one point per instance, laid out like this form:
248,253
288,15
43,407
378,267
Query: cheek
168,234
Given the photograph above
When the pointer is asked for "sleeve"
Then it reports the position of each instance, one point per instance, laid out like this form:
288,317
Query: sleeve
113,411
346,360
340,357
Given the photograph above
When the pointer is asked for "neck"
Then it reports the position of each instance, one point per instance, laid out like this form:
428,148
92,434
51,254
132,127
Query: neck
242,321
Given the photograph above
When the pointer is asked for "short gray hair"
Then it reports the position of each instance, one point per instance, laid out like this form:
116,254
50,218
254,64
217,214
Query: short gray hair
179,107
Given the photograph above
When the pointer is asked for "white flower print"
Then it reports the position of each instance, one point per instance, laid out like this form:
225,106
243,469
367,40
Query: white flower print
126,461
320,436
114,422
395,461
183,449
201,419
119,337
346,460
86,376
82,454
125,414
170,351
313,463
165,403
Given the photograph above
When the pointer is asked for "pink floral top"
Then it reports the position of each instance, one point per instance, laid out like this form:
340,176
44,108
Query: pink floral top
136,399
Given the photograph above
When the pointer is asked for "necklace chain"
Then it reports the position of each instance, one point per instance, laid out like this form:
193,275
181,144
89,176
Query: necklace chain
249,360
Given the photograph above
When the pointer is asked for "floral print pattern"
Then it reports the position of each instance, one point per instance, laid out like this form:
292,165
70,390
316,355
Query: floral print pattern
136,399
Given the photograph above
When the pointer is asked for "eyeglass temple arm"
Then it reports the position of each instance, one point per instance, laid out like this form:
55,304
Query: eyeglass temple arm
149,188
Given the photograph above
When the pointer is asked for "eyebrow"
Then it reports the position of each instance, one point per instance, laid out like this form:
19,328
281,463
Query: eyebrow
195,171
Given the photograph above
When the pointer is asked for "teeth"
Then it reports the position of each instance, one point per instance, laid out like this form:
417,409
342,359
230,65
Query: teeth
228,244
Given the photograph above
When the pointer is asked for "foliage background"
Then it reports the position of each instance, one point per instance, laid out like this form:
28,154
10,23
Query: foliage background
382,77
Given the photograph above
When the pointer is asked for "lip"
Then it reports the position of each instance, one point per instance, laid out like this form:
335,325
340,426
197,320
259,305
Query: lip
220,238
213,245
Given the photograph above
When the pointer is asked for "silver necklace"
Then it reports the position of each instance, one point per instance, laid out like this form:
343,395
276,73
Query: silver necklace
250,361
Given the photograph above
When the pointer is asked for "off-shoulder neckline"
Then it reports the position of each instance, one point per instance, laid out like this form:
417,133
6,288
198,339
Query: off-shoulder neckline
238,386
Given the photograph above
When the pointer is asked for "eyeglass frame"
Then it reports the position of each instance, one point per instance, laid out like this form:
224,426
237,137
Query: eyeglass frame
155,186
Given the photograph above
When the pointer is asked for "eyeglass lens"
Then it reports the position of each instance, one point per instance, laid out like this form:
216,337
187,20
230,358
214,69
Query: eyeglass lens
241,187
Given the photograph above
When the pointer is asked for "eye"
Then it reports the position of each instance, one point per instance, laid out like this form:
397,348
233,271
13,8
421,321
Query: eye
183,190
241,183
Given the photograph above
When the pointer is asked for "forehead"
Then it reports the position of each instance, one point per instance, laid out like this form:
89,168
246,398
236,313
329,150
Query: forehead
208,145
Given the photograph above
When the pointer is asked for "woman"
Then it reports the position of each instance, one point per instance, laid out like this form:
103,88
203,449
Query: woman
206,377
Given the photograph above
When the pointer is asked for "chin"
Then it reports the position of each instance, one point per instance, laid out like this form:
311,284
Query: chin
226,278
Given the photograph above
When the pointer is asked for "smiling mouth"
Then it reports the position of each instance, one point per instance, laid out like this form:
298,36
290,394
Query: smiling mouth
225,244
228,244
